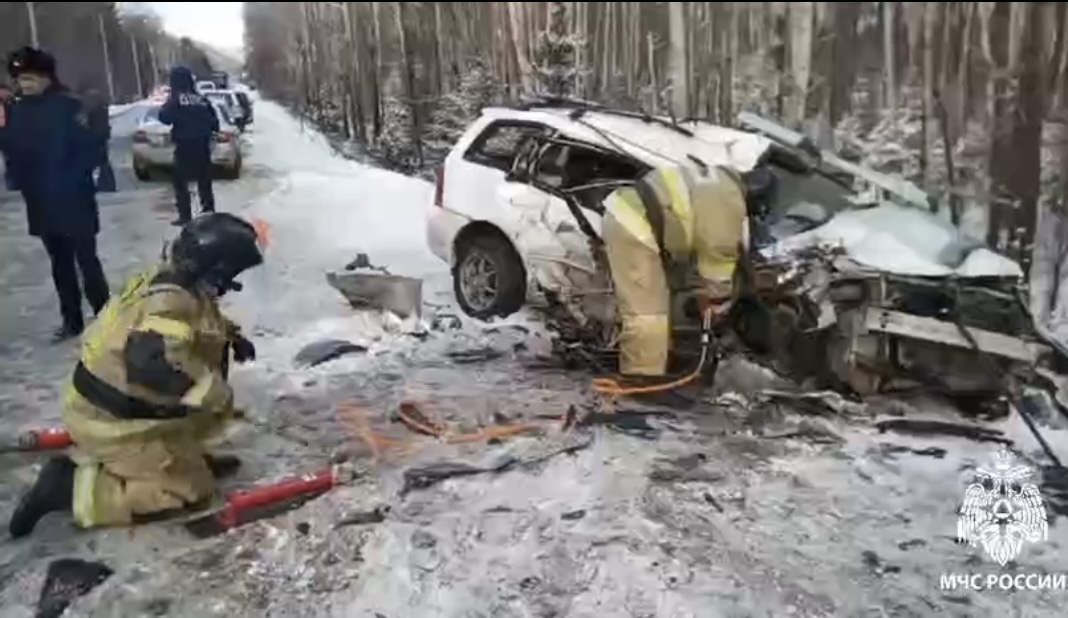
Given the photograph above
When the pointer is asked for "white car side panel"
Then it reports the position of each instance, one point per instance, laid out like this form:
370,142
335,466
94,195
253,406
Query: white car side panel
442,227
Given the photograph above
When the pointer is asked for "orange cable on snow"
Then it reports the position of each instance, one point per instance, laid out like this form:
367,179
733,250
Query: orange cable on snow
610,386
262,231
353,417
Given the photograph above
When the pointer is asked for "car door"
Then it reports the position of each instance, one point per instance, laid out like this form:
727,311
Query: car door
476,187
560,243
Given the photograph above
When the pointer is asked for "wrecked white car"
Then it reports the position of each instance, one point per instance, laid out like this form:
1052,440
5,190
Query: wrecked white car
851,268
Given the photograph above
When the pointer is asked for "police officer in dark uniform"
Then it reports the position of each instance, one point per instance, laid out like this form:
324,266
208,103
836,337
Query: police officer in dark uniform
47,142
193,124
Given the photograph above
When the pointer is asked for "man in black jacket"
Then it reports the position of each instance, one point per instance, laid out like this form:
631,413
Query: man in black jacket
47,142
96,108
193,123
7,97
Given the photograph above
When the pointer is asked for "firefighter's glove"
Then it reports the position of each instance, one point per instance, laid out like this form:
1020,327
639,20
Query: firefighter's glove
717,306
244,350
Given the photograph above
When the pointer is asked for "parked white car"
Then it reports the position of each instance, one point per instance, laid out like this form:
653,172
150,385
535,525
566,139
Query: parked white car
152,147
518,206
231,102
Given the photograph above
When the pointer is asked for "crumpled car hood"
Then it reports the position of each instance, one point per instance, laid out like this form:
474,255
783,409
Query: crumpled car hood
902,240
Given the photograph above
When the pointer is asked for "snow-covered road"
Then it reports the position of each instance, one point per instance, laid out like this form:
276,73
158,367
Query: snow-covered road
723,514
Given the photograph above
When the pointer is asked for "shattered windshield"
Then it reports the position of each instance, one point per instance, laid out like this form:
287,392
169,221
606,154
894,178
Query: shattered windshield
800,203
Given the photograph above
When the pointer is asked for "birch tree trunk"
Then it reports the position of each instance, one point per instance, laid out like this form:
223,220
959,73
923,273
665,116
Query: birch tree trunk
515,19
801,24
677,70
728,49
929,86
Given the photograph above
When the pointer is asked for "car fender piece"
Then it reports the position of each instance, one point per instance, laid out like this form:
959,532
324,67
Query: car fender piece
325,351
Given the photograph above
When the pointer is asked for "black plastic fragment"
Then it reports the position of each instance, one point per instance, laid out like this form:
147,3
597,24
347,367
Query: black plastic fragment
928,427
428,476
67,580
325,351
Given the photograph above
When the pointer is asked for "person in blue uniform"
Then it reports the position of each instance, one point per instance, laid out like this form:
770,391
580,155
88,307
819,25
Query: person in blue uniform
193,123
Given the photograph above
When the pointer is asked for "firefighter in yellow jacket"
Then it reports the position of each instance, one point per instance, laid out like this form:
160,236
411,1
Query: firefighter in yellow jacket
677,233
150,390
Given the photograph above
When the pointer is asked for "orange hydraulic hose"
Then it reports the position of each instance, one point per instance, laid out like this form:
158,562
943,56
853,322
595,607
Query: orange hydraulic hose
353,417
409,414
610,386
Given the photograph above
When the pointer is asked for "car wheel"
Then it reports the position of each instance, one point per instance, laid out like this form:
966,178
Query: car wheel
234,171
489,279
142,172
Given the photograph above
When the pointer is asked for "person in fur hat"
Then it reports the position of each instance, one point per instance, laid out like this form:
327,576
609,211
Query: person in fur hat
47,141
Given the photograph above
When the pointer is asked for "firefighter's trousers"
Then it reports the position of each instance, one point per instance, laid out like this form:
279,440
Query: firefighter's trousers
643,299
704,231
131,468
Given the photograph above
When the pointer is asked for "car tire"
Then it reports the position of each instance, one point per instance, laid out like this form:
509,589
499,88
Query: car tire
233,172
492,256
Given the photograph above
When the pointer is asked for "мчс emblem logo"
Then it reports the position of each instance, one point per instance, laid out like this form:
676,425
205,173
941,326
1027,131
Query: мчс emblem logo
1002,509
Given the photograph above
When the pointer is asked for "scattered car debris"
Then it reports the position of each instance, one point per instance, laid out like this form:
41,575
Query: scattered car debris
363,262
573,515
424,477
402,296
477,355
628,422
923,427
894,449
809,430
446,322
376,515
325,351
68,579
817,403
876,565
427,476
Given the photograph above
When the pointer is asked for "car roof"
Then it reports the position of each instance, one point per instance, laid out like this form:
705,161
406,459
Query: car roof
653,140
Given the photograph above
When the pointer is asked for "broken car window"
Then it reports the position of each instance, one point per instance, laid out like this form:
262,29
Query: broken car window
498,145
801,202
590,174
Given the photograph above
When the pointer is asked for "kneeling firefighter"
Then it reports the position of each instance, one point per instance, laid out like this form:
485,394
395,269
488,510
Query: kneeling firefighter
676,234
150,391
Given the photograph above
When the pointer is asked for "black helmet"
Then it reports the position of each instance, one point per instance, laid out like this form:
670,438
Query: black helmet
214,249
31,60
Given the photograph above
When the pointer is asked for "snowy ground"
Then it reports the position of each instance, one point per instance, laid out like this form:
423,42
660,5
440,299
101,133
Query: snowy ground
718,516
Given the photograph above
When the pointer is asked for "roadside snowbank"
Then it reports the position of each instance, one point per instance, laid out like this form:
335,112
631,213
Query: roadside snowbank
324,211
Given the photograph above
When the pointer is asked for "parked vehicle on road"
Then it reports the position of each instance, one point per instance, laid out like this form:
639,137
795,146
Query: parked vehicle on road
246,105
857,259
205,86
153,149
231,102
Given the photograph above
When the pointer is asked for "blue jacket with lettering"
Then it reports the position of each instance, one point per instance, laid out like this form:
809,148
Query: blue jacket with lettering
191,116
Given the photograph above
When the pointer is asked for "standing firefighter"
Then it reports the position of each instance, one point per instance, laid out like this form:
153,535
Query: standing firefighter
675,233
193,123
150,390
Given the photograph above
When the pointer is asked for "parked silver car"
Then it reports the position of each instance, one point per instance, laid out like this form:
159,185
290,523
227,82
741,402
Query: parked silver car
152,147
